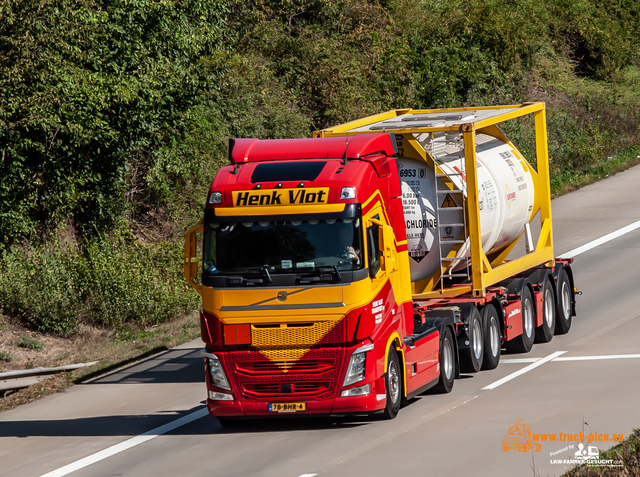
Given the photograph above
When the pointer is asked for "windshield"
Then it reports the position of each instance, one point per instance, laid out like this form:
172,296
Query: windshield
283,247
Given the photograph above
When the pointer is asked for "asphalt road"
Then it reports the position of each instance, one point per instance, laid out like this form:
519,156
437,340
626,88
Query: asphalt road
460,433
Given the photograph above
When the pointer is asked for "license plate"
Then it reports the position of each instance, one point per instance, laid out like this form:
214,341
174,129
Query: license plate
287,407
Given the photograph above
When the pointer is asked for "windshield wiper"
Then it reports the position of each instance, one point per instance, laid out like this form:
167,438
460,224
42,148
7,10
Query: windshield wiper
266,272
333,268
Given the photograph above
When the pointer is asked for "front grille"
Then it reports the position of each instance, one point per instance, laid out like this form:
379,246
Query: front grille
314,377
276,367
286,390
299,335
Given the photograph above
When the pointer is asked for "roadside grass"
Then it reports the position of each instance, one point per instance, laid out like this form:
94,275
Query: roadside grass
628,452
110,350
565,182
114,283
6,357
28,342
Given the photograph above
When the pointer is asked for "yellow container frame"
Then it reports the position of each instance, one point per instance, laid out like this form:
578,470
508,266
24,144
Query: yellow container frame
485,271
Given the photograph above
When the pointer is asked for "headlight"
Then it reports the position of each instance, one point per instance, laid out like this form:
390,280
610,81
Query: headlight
216,373
215,198
357,365
348,193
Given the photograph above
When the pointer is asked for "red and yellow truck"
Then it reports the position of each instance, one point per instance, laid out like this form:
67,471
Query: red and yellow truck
350,271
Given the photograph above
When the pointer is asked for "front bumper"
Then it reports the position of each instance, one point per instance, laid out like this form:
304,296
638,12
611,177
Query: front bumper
315,380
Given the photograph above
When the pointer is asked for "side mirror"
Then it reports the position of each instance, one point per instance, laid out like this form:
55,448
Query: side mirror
190,264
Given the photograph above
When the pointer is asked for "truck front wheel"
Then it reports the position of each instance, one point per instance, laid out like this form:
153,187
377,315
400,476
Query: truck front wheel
393,382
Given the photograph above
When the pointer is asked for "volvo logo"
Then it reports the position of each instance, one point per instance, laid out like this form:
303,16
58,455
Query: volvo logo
282,296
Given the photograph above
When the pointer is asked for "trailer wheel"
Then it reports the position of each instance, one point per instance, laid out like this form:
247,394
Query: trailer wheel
492,340
447,363
544,332
471,357
393,383
524,342
563,307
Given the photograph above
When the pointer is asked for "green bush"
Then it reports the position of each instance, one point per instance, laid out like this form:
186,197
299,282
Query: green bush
89,92
6,357
108,283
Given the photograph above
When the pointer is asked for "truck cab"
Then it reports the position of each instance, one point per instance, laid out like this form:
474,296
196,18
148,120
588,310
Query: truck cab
305,280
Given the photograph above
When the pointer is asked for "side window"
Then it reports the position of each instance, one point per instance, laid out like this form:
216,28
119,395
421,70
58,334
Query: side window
374,249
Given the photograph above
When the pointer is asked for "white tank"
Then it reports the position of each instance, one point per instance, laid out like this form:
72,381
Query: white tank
505,193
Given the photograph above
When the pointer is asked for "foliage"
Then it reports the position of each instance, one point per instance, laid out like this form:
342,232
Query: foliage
115,115
29,342
89,90
6,357
109,283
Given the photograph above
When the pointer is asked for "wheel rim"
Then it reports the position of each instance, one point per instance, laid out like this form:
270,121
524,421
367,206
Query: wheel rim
477,339
528,318
494,336
566,300
394,382
447,359
548,307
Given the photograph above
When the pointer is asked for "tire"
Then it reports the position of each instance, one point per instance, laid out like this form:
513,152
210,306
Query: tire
471,357
393,383
545,332
564,306
524,342
447,363
492,339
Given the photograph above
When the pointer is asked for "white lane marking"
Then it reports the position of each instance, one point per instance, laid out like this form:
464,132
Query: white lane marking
308,475
518,360
570,358
590,358
520,372
594,243
128,444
